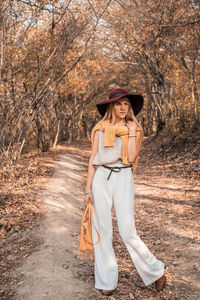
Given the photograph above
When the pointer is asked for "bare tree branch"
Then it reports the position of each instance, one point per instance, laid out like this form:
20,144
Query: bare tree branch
181,25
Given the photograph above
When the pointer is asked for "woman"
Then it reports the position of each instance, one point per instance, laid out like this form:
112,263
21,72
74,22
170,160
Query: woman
116,142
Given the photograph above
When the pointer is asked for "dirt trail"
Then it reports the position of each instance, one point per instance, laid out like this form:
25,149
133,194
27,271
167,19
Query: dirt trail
167,213
51,271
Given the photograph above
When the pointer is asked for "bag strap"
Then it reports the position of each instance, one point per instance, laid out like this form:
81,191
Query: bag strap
91,217
85,212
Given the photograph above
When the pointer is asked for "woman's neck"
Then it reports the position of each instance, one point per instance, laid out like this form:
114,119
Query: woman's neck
120,122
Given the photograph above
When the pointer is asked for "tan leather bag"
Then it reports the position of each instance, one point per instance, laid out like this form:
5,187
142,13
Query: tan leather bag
86,243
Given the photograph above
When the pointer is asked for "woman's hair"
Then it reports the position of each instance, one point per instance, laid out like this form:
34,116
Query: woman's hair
110,115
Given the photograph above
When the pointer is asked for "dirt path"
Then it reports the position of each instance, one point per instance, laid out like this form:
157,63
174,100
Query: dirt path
167,213
51,271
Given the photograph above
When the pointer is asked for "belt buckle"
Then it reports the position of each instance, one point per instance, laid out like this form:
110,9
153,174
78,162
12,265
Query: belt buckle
116,169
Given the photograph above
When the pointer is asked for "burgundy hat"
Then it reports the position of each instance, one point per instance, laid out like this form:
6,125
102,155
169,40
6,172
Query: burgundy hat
135,100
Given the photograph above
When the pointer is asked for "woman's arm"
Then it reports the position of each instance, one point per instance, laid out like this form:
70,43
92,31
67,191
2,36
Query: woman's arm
91,170
133,141
133,146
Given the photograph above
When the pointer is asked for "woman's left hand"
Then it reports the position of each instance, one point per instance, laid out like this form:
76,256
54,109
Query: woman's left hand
131,126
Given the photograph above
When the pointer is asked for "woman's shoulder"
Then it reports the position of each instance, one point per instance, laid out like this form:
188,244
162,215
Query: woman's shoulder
100,125
95,130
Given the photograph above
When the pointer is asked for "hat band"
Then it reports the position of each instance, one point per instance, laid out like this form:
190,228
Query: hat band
116,95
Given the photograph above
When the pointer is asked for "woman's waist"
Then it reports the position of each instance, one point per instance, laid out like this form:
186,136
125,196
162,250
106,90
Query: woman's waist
117,163
116,168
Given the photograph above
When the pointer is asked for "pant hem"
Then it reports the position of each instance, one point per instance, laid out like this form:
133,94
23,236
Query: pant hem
150,282
98,287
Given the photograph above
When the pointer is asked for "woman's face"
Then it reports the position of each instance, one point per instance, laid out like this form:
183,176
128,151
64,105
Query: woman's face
121,107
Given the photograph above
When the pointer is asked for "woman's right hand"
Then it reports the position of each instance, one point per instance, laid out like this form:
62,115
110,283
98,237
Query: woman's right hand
88,198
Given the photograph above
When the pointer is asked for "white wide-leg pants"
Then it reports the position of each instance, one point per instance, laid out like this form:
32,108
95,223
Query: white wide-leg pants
118,192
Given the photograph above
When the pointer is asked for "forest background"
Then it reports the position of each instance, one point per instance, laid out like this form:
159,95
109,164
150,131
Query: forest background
59,58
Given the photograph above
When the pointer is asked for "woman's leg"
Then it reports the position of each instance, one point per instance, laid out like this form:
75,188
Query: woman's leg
106,269
149,268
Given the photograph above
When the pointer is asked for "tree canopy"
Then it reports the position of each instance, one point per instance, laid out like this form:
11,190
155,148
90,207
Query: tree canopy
59,58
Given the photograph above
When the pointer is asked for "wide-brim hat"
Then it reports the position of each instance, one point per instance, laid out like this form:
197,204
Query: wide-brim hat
136,101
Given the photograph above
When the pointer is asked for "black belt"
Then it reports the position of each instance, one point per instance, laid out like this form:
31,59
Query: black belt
115,169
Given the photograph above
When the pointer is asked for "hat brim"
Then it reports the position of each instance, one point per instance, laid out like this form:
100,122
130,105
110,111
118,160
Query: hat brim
136,101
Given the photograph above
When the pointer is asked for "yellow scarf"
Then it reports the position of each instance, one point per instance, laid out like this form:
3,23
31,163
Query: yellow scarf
110,132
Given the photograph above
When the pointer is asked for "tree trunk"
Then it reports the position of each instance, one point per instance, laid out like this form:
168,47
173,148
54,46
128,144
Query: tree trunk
57,135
